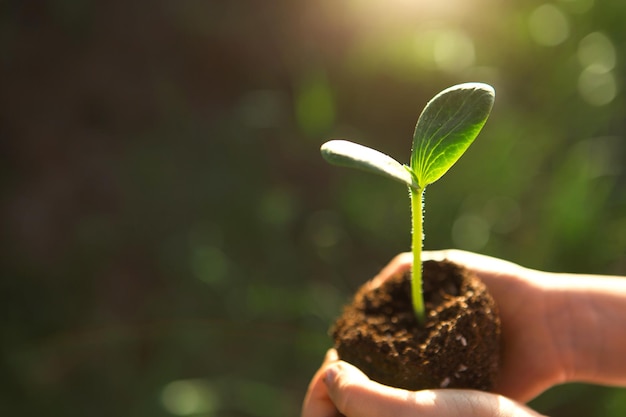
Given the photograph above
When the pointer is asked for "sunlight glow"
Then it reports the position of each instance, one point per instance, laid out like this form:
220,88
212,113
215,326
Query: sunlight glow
409,38
411,9
447,49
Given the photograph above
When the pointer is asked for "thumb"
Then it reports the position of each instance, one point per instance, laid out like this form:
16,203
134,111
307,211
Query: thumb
355,395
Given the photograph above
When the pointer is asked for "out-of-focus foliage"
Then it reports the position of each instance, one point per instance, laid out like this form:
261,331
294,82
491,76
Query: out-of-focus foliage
174,244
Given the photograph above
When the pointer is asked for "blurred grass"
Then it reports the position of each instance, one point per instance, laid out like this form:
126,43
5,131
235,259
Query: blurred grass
174,244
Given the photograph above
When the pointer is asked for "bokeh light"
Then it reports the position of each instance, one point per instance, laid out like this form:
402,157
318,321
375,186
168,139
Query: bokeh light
470,232
577,6
596,86
190,397
596,50
453,51
597,55
548,25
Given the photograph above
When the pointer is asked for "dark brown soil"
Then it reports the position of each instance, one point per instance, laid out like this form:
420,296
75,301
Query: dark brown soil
457,347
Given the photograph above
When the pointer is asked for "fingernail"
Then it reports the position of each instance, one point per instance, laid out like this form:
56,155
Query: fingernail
330,375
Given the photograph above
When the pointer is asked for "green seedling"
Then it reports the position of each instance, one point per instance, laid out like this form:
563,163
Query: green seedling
446,128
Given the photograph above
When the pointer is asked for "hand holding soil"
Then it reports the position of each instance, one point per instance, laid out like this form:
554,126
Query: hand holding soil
556,328
455,345
340,389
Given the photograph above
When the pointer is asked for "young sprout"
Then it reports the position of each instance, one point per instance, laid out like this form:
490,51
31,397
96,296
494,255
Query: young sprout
446,128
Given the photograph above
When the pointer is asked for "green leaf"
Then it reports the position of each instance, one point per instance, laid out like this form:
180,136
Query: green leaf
349,154
447,127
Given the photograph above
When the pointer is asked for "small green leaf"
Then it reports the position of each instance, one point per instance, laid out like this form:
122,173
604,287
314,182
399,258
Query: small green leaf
447,127
349,154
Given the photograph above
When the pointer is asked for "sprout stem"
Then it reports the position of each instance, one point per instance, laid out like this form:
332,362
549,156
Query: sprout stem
417,213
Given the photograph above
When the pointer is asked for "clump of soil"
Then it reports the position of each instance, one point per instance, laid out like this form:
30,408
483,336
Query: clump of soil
457,346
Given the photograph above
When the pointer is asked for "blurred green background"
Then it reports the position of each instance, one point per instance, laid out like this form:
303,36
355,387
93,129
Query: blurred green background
174,244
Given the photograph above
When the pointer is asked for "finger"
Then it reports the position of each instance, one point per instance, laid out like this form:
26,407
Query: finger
316,401
481,264
355,395
506,281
